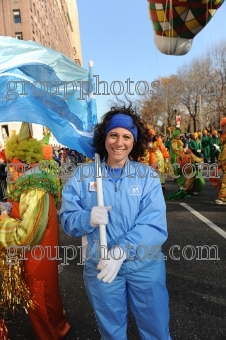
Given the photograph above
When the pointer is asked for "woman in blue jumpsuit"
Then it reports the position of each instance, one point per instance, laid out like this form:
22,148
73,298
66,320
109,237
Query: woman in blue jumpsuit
135,216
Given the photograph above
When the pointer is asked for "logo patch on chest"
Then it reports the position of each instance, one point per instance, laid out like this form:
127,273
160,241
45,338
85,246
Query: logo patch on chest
135,190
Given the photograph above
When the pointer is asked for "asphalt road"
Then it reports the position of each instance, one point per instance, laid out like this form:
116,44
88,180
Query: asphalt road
196,281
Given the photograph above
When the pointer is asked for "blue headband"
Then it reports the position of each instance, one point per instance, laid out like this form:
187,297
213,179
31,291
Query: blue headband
124,121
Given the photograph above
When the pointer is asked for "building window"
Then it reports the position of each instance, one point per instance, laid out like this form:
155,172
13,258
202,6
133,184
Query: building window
19,35
16,16
5,131
32,25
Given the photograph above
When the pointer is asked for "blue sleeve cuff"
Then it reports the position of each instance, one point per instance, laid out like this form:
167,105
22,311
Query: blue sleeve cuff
85,221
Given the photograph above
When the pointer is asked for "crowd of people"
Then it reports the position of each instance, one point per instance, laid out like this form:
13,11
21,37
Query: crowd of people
132,265
61,155
65,155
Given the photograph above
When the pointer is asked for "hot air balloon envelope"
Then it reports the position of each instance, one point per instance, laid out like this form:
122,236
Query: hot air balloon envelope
176,22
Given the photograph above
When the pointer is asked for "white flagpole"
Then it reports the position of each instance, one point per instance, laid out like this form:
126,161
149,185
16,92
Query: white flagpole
84,238
100,202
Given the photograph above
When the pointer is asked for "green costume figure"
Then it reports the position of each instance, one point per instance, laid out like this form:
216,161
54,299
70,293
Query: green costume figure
186,173
214,147
195,145
194,181
205,146
177,149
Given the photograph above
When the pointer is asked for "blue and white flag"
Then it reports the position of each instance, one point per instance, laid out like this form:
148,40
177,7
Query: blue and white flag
42,86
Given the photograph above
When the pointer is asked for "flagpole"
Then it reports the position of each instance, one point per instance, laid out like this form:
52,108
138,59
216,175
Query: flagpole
100,202
100,197
90,65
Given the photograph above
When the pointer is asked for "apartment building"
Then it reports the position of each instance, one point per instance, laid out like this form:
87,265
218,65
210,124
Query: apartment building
51,23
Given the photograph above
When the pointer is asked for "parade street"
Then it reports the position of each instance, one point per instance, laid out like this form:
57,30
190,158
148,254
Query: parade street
196,276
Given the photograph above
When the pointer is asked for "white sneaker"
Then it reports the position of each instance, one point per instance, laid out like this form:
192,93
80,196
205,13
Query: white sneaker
220,202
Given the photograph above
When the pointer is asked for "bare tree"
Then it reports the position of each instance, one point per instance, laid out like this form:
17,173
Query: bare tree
152,108
192,85
197,92
159,106
217,98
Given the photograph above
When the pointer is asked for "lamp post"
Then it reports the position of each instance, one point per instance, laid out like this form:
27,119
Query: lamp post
200,112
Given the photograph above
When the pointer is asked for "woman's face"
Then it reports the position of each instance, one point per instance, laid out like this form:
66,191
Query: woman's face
118,143
223,127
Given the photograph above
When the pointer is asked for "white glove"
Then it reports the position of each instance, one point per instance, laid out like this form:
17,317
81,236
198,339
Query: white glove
198,150
5,207
216,147
110,267
99,215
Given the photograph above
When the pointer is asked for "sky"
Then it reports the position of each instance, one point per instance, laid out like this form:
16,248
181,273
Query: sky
118,37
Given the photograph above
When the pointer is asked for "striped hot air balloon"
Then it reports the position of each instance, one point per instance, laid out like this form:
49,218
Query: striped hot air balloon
176,22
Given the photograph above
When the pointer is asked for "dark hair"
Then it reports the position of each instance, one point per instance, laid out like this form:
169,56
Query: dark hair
143,138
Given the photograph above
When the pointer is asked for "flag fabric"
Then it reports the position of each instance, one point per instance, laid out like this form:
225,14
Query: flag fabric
40,85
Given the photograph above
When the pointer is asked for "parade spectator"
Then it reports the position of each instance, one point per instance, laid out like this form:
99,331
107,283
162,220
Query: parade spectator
74,156
135,216
32,220
56,156
64,154
81,158
61,158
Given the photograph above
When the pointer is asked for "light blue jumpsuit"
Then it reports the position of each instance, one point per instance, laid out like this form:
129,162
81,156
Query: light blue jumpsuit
137,223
